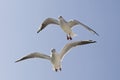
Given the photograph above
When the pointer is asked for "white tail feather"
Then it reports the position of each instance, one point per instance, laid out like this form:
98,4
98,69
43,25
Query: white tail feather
73,34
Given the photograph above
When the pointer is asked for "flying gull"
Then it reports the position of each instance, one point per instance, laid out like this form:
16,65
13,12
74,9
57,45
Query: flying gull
65,26
56,58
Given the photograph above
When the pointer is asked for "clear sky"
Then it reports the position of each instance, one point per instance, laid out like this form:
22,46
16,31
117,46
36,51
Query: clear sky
20,19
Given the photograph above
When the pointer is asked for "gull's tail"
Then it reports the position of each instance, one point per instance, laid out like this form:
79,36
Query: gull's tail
73,34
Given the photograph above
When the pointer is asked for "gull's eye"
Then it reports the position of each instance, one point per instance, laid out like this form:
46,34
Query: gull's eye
60,16
53,50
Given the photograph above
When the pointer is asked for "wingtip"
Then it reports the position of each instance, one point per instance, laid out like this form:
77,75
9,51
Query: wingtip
92,41
18,60
96,33
38,31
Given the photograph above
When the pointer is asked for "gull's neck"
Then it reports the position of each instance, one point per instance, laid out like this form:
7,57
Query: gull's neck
62,20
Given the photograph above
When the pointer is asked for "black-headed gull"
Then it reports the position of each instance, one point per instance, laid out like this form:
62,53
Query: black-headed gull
56,58
66,26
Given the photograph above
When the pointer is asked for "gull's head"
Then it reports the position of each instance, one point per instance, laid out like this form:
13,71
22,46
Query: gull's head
60,17
53,50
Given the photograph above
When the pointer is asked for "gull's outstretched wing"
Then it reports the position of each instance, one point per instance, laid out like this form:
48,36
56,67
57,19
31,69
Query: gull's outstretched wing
34,55
72,23
68,46
47,22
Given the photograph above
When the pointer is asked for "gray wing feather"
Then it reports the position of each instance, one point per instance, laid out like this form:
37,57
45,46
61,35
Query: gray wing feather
34,55
68,46
47,22
72,23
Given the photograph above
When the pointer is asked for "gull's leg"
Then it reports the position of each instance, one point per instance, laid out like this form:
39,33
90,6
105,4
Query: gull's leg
60,69
68,37
56,70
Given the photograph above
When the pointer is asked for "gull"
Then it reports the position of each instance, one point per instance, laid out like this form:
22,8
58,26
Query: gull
65,26
56,58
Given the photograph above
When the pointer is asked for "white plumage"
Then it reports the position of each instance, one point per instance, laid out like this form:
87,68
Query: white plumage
65,26
56,58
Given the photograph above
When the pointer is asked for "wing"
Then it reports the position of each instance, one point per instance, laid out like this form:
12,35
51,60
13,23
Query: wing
68,46
34,55
72,23
47,22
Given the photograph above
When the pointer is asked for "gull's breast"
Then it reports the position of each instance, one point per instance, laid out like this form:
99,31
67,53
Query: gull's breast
65,27
56,61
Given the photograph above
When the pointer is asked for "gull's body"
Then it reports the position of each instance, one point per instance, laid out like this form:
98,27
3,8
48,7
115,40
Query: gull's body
56,58
66,26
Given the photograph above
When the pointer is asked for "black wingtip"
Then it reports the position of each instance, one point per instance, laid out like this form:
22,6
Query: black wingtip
38,31
97,34
92,41
19,60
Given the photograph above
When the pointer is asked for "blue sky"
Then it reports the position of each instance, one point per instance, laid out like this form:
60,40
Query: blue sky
20,19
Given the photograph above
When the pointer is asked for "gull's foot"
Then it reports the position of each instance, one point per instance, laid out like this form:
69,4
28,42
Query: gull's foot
67,37
60,69
70,38
56,70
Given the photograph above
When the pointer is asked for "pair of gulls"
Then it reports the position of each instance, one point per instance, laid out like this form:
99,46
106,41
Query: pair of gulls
56,58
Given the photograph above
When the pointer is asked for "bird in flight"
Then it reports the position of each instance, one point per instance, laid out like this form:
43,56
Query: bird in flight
56,58
65,26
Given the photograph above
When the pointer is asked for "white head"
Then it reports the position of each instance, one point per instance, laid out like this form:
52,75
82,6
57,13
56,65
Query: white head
53,50
60,17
